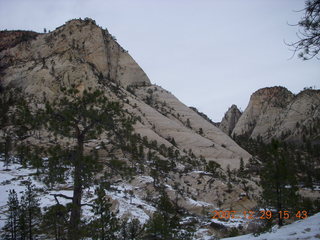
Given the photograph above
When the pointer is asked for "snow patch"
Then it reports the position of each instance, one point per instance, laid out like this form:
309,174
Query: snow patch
129,204
303,229
199,203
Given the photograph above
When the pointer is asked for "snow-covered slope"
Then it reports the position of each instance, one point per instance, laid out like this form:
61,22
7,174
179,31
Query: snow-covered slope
304,229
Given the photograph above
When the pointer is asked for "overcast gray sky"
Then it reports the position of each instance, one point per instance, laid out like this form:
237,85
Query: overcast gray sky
209,53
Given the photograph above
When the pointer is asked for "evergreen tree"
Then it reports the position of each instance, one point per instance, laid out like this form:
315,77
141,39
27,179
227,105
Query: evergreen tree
241,168
30,214
105,224
22,225
83,116
131,230
55,221
10,230
16,120
164,223
278,180
213,167
308,44
7,101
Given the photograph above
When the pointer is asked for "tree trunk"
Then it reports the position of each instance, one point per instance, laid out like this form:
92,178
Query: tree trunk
279,205
77,192
7,149
30,223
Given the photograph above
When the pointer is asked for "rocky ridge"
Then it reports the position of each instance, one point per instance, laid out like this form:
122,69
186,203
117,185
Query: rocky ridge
275,112
230,119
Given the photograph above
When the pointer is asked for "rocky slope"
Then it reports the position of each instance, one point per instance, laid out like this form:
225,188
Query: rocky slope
83,55
275,112
230,119
10,39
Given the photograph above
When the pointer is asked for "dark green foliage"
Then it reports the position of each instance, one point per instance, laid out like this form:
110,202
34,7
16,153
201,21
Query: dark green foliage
159,227
160,169
17,121
241,168
23,151
30,209
308,44
188,124
82,117
163,227
172,141
304,158
213,167
131,230
131,89
203,115
233,232
24,216
10,230
165,223
89,112
56,165
55,222
281,166
105,225
8,98
34,158
278,180
117,164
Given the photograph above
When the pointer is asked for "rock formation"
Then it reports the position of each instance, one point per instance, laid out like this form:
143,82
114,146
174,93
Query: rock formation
82,54
277,113
230,119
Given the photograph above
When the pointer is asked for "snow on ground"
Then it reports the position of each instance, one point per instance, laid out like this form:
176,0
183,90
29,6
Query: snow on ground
199,203
303,229
201,172
202,234
13,176
145,179
231,222
130,205
10,178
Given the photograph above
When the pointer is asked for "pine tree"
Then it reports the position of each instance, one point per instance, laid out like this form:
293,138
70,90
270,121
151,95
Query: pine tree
16,120
278,180
212,167
30,214
7,101
165,222
131,229
308,44
83,116
10,230
241,168
105,225
55,221
188,124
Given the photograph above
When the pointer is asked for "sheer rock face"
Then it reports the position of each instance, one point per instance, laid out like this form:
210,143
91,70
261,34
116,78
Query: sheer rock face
77,53
230,119
277,113
83,55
